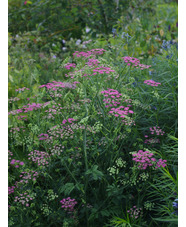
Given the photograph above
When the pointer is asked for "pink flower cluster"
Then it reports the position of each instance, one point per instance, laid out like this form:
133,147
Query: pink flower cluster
11,190
71,75
54,85
53,110
160,163
16,163
121,111
113,98
26,176
152,83
88,53
102,70
70,120
144,159
10,100
128,122
134,62
43,136
17,129
151,141
68,204
10,154
154,131
14,112
157,131
39,157
70,65
22,117
58,132
134,212
56,89
33,106
92,62
23,199
22,89
62,131
28,108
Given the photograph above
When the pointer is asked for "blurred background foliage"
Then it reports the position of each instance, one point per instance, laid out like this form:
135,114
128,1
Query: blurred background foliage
62,19
42,33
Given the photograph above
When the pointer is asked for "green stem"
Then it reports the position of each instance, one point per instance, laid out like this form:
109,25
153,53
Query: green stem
85,158
74,178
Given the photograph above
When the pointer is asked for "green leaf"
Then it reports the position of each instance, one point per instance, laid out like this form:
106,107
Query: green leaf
10,78
95,174
167,220
173,138
67,188
105,213
29,2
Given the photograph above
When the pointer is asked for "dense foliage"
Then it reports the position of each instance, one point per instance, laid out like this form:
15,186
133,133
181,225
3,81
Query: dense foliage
93,113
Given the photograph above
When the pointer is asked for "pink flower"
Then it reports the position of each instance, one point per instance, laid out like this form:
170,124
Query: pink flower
13,161
64,121
152,83
25,2
135,62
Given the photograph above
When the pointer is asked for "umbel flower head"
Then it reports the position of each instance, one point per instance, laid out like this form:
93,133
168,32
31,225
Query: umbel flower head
70,65
152,83
92,52
145,159
134,62
68,204
135,212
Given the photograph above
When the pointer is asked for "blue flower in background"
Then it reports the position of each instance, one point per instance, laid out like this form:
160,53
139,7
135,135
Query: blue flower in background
153,108
175,203
169,56
175,206
114,32
125,35
166,44
134,84
122,35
